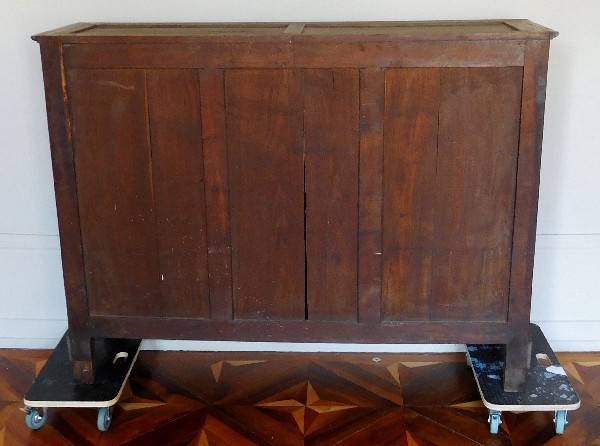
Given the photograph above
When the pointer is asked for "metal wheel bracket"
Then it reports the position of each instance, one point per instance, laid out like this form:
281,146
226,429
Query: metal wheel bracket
560,421
495,420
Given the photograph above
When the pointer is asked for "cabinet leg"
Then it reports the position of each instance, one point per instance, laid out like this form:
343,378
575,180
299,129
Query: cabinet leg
81,351
518,357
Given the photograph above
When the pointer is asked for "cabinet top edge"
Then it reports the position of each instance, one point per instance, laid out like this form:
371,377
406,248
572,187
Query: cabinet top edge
513,29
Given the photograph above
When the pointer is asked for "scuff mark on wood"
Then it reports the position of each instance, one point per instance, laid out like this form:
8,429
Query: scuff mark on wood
116,84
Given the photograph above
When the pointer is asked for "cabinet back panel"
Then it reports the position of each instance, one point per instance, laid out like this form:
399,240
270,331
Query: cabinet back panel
475,192
141,193
331,121
113,170
178,187
266,183
409,184
448,229
218,231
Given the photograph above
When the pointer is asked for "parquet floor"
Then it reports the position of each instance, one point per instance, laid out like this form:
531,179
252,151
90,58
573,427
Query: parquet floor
237,399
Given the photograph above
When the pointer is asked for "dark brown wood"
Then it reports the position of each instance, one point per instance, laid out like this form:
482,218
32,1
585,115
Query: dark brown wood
475,166
266,184
443,30
217,193
65,188
527,190
447,236
178,191
114,186
331,108
410,152
362,182
372,102
296,54
417,332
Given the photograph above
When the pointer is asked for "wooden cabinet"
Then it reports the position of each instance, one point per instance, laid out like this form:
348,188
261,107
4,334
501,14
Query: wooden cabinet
346,182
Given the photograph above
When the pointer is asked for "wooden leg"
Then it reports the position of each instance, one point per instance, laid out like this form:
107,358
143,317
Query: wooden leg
518,357
81,352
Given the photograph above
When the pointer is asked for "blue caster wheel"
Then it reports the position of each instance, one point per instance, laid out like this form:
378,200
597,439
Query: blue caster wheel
36,418
560,420
495,420
104,418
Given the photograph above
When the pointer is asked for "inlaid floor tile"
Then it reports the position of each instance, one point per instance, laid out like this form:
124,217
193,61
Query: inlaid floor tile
278,399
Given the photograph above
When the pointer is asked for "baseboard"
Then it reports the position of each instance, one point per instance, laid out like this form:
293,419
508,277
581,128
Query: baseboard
29,242
572,336
31,333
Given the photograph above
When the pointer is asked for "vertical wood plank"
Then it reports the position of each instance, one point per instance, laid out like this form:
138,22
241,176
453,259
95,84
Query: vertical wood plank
112,163
265,157
331,125
411,125
216,188
523,237
178,180
372,103
476,168
67,208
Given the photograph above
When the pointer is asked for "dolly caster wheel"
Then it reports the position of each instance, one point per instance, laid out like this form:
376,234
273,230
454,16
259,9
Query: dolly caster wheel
560,420
36,419
495,420
104,418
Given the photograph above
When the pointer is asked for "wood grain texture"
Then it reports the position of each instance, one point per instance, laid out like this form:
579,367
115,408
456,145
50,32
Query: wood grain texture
331,137
476,170
178,191
409,187
372,100
446,30
527,183
118,226
266,184
292,53
451,140
217,193
388,332
252,398
364,31
67,208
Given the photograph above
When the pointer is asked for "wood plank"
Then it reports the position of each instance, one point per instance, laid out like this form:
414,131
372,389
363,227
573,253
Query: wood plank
331,124
266,183
67,208
264,330
178,181
448,30
527,183
217,193
372,100
476,171
411,125
407,54
292,52
112,162
164,55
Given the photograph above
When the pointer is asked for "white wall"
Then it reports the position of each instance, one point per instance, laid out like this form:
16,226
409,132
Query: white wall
567,273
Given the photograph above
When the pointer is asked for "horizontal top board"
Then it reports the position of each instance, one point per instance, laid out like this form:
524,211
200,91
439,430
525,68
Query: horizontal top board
255,32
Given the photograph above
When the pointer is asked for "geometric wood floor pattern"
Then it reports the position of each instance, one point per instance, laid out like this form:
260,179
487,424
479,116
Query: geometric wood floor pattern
279,399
